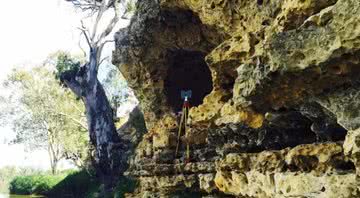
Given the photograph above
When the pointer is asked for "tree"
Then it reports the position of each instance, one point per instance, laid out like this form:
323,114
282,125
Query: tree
116,89
47,116
83,81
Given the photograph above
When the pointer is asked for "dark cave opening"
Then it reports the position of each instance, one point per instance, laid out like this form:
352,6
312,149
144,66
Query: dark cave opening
187,71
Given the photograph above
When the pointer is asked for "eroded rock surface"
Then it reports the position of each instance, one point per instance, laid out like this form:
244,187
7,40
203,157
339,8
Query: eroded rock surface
275,106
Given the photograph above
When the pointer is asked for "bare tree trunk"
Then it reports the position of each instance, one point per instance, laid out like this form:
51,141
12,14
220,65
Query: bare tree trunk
102,131
54,168
53,158
84,83
103,134
53,151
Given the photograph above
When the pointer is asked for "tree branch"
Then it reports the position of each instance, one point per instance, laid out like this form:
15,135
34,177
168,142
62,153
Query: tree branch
86,5
73,85
112,23
83,51
96,46
85,31
98,18
108,41
73,119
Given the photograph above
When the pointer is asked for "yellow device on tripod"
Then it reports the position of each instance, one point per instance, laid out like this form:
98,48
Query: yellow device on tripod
183,122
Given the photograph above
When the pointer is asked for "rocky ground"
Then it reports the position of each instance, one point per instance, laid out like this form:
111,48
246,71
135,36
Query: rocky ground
276,109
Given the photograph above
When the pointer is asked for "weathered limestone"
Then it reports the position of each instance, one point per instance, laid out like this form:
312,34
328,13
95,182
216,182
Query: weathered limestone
306,170
352,148
345,104
275,106
307,59
255,184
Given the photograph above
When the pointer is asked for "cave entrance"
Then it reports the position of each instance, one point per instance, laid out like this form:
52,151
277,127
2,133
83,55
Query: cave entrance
187,71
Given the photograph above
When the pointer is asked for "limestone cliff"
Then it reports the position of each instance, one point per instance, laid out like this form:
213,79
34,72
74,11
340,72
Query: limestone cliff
276,109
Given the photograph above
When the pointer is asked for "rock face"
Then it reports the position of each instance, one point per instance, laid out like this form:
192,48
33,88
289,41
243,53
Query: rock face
275,105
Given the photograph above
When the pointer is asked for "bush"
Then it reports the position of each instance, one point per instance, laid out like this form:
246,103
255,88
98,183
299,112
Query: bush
74,184
34,184
21,185
77,184
82,185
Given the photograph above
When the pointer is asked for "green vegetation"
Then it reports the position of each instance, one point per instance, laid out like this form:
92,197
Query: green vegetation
76,184
34,184
8,173
47,116
81,184
65,63
69,184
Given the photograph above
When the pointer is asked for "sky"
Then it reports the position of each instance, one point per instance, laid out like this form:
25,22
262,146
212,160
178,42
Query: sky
30,31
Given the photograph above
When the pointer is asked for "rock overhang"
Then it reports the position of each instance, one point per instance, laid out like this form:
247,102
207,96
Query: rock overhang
278,73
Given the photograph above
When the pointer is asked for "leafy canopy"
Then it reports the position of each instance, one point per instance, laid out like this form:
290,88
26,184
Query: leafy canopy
45,115
65,63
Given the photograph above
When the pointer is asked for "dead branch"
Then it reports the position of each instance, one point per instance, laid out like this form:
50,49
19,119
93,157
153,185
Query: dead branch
98,18
79,44
86,5
86,37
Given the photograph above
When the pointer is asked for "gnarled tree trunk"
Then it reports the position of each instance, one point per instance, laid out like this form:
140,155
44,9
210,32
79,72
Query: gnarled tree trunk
102,131
84,83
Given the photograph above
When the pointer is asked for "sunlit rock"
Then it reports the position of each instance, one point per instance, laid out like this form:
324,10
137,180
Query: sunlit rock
274,97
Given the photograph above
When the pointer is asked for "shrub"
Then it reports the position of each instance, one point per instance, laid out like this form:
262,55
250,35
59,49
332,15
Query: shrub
21,185
77,184
34,184
73,184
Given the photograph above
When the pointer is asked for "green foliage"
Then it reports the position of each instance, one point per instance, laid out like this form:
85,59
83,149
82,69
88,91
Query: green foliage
65,63
28,180
45,115
67,184
71,184
130,6
34,184
116,88
77,184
